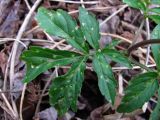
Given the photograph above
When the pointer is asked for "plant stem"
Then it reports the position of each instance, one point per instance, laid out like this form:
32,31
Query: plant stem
140,44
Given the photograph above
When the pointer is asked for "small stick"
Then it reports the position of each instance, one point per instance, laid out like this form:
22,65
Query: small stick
7,103
15,47
21,102
117,36
148,37
145,106
27,4
44,89
112,15
140,44
77,2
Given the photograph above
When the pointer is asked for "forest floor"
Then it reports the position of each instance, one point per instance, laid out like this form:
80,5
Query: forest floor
18,28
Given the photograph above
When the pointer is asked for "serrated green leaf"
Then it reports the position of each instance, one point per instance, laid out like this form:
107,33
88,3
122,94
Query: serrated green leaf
117,57
139,4
141,88
155,115
60,24
37,55
156,47
155,18
155,1
41,59
65,89
106,80
155,10
90,27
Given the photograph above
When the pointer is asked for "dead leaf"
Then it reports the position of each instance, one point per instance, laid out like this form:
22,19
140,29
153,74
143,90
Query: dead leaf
68,116
11,19
110,27
115,116
128,15
97,114
110,2
18,84
48,114
3,61
128,35
4,9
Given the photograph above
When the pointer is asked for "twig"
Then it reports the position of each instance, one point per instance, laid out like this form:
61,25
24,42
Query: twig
26,39
27,3
1,42
68,47
148,37
138,33
77,2
96,8
58,43
145,106
7,103
120,84
15,45
30,31
6,73
55,44
5,82
117,36
132,27
21,102
82,3
6,110
43,92
112,15
49,37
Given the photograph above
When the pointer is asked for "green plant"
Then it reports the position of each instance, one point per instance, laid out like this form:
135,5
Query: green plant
65,89
142,87
144,6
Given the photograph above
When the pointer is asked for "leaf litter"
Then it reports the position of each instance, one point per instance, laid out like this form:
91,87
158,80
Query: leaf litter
90,102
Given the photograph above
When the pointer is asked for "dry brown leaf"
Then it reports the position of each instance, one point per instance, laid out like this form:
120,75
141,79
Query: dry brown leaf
10,21
97,114
110,2
3,61
48,114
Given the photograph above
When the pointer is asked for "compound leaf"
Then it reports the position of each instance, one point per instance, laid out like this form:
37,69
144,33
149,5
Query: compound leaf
41,59
156,47
117,57
155,114
90,27
65,89
106,80
60,24
141,88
